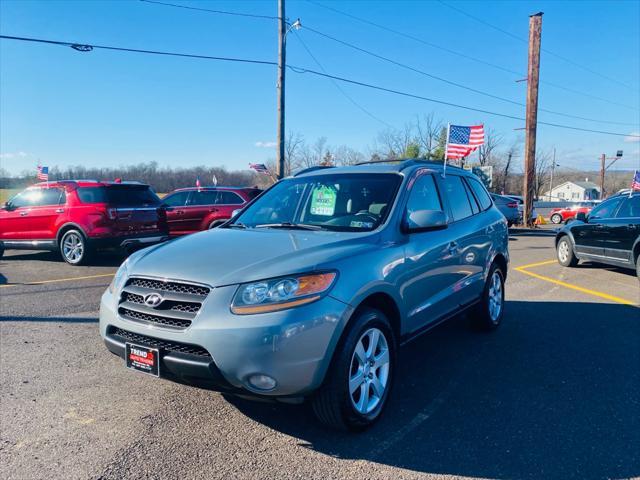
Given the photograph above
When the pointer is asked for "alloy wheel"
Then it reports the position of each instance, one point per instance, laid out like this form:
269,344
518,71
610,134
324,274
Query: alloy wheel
72,247
495,297
563,251
369,371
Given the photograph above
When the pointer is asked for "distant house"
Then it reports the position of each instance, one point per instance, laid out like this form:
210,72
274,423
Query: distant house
574,192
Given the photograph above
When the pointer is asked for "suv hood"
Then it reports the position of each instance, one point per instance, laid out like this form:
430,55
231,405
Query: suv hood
230,256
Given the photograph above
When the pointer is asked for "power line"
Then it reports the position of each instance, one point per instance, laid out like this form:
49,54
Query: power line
456,84
394,62
468,57
221,12
85,47
567,60
88,47
335,83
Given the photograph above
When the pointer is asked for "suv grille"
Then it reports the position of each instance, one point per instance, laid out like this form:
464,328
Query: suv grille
175,306
157,343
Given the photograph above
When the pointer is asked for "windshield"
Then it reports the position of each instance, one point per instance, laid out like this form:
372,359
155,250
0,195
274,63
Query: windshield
346,202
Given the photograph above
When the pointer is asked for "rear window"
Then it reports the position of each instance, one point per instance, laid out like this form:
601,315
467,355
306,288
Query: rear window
120,196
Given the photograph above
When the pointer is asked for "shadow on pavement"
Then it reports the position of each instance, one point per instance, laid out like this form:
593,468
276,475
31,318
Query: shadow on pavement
554,393
601,266
50,319
107,259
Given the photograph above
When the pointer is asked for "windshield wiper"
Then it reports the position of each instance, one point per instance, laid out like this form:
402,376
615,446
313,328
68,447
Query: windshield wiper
289,225
236,225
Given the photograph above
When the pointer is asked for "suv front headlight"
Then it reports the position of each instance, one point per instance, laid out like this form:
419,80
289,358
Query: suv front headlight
120,277
281,293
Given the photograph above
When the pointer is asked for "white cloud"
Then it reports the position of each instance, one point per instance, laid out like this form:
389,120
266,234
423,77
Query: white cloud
633,137
266,144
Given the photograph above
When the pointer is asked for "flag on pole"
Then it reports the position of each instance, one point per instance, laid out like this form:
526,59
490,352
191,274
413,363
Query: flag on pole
43,173
635,183
461,141
260,168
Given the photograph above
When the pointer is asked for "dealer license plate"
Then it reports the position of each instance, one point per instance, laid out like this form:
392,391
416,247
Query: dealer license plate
142,359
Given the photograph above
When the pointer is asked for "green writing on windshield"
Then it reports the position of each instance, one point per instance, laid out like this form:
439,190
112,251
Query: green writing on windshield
323,201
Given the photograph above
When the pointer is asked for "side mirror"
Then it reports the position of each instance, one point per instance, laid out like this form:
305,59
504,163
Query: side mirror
423,220
7,206
581,216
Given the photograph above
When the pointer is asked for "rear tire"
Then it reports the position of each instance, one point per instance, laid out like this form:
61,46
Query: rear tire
1,250
360,377
556,218
638,267
489,312
564,251
74,248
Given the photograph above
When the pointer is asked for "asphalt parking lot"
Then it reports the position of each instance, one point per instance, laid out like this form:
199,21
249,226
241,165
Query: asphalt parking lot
554,393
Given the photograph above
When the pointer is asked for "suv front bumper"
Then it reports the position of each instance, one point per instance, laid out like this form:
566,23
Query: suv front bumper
293,346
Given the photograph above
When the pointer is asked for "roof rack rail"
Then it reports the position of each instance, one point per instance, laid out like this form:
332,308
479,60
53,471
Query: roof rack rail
312,169
408,162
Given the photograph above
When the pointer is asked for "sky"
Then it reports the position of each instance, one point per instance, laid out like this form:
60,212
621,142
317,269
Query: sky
61,107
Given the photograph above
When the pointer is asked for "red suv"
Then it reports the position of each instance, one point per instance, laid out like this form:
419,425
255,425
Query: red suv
193,209
79,217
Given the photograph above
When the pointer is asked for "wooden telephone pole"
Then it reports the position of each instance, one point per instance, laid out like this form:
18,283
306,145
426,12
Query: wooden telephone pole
603,168
533,75
282,62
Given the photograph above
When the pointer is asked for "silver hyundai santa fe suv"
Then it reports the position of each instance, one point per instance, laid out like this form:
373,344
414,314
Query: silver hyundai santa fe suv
308,292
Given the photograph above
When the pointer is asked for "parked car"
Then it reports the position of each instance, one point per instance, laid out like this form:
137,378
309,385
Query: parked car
609,234
191,210
564,214
509,208
308,292
79,217
520,201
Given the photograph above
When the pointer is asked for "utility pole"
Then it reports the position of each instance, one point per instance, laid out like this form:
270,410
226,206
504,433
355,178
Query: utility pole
282,61
553,168
533,75
603,159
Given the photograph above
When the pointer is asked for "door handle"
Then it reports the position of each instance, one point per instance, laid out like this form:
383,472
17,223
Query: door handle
213,209
599,226
453,248
59,210
179,212
24,214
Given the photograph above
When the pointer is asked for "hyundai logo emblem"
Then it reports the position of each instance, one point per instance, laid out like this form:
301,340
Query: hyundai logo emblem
153,300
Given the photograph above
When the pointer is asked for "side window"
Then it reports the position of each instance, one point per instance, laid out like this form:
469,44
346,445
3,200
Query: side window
26,198
176,200
229,198
424,195
92,194
50,196
480,192
630,208
206,197
457,195
605,209
475,208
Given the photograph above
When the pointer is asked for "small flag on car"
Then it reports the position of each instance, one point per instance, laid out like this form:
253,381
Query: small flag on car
43,173
260,168
635,184
461,141
197,182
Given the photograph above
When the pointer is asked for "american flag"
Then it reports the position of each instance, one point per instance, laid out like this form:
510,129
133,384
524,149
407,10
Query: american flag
635,184
464,140
43,173
260,168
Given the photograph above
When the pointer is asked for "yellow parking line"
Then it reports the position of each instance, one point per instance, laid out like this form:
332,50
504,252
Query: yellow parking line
588,291
537,264
70,279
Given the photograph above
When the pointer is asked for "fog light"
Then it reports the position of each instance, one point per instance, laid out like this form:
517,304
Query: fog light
262,382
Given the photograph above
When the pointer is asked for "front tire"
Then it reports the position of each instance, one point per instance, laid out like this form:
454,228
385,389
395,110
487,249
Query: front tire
73,247
565,254
556,218
489,312
360,377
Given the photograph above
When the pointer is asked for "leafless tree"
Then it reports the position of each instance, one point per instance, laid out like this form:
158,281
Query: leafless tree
428,132
486,152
